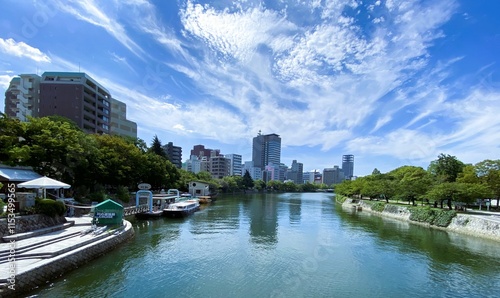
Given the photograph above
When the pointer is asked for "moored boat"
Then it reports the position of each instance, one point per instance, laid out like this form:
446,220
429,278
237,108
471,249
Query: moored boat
182,209
204,199
149,214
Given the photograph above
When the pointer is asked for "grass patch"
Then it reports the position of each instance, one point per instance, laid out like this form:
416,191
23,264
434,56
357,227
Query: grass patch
340,199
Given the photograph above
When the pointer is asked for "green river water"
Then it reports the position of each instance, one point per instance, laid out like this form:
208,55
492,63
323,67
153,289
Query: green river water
286,245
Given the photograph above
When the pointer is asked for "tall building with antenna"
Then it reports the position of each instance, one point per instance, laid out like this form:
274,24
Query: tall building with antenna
266,155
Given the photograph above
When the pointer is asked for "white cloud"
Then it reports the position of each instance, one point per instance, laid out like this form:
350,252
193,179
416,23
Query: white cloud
407,145
93,13
315,75
122,60
236,34
20,49
335,73
5,81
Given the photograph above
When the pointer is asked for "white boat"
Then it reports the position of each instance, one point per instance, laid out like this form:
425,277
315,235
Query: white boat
182,208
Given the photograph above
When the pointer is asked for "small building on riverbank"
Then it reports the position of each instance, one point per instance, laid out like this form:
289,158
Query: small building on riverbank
197,188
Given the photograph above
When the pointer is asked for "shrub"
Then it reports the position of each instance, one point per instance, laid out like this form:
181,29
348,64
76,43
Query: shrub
444,217
437,217
422,215
50,207
123,194
378,206
98,196
2,203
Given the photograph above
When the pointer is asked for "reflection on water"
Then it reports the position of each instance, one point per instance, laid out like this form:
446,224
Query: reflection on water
286,245
263,215
443,248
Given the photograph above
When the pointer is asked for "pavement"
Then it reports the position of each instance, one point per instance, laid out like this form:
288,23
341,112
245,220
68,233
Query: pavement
35,248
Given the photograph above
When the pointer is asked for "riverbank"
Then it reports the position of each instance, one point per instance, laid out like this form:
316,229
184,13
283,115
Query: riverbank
44,255
472,223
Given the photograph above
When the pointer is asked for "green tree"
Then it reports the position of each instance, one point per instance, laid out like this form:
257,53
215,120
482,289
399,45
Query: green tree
157,148
122,162
308,187
259,184
488,172
350,188
275,185
470,192
247,180
11,131
446,168
52,148
412,183
139,143
230,183
184,178
204,176
468,175
173,175
290,186
458,191
239,182
154,171
446,191
85,166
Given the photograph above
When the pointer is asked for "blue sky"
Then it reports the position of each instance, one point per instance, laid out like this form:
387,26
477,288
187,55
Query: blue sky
392,82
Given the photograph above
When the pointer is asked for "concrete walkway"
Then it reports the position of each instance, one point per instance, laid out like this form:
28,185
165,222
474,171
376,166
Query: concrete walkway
35,248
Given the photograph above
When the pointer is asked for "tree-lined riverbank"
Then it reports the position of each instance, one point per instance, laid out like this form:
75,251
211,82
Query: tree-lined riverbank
479,224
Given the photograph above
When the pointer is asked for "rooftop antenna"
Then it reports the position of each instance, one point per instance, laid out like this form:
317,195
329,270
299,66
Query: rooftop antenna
78,66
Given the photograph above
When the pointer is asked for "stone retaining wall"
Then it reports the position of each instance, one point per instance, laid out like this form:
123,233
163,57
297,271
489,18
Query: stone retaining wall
476,226
60,264
27,223
469,224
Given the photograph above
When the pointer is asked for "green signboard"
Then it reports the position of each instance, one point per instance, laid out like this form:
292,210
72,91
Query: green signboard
108,213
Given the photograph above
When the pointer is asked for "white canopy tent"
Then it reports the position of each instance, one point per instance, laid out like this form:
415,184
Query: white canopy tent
44,183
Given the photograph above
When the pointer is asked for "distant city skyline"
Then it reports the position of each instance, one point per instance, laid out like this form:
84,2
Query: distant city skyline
393,83
67,94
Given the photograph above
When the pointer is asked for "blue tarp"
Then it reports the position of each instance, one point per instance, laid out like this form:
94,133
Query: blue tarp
17,174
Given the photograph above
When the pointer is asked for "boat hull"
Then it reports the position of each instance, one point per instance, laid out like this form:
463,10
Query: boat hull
178,214
149,215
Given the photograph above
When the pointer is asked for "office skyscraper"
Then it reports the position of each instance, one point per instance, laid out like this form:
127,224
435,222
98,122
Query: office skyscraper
348,166
266,150
235,164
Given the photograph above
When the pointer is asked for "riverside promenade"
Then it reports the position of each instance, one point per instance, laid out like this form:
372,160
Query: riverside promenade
37,257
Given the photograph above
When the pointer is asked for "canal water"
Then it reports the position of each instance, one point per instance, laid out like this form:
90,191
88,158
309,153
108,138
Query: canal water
287,245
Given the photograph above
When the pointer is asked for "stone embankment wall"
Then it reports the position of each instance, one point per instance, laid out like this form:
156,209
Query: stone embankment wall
63,263
27,223
476,226
470,224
